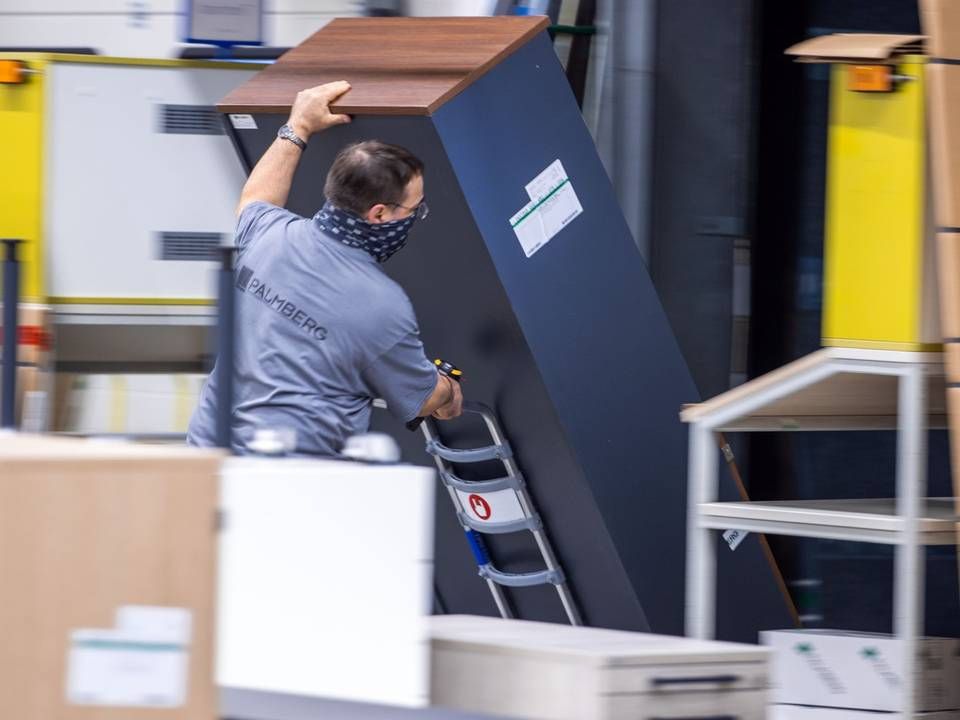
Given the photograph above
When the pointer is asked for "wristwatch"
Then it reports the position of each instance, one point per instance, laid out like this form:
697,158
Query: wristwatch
286,132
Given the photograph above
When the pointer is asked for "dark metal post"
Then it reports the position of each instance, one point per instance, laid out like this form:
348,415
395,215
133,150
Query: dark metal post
11,299
226,345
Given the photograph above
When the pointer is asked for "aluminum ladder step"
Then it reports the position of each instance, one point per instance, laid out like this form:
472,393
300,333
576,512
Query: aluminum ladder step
525,519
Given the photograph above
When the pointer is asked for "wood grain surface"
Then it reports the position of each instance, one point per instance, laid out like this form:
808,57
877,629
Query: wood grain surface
396,66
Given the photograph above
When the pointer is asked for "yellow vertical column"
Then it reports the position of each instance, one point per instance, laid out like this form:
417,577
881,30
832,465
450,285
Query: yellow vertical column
21,180
874,245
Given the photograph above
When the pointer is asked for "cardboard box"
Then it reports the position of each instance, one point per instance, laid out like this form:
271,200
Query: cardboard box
941,24
107,554
943,90
860,671
948,253
948,271
951,359
805,712
944,108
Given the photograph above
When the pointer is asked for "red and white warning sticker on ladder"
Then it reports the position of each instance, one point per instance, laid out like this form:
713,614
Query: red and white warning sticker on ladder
492,507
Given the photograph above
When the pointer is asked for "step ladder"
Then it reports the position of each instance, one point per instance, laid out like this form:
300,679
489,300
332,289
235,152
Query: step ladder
495,507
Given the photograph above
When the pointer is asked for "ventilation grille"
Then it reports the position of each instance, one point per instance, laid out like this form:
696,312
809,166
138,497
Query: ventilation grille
189,245
190,120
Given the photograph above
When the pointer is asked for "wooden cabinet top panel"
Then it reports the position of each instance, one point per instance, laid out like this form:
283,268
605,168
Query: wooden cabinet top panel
395,66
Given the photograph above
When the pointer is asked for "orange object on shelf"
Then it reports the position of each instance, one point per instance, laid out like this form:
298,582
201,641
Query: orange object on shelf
13,72
870,78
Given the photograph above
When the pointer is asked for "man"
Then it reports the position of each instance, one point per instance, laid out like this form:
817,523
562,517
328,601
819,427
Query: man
322,330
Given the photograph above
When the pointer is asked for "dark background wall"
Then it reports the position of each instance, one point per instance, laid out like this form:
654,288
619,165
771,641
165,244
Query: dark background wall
739,175
701,179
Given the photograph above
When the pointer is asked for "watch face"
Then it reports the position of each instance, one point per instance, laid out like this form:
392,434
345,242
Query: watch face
287,133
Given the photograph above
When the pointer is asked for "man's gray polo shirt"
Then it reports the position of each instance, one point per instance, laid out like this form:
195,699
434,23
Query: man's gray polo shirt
322,331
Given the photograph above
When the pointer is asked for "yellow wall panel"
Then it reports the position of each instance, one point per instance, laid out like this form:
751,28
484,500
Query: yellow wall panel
873,256
21,181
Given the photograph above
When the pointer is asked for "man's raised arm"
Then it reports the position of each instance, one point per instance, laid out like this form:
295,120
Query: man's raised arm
271,178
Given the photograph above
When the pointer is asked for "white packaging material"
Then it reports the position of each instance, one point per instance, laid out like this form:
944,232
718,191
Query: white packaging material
860,671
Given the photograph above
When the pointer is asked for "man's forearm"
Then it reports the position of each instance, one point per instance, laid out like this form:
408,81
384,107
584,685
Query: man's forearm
443,392
271,178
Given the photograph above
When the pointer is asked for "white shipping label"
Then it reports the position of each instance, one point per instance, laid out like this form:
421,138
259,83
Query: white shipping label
546,181
243,122
553,205
113,668
735,537
493,507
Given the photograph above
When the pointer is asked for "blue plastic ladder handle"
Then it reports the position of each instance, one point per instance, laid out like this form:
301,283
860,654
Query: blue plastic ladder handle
478,548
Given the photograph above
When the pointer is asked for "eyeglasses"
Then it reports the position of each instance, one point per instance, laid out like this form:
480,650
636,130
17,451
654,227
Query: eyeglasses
421,210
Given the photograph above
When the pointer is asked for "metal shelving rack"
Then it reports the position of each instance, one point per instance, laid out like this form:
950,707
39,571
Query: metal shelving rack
831,389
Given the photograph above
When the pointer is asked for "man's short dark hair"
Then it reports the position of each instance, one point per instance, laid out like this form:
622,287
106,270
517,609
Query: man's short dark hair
370,172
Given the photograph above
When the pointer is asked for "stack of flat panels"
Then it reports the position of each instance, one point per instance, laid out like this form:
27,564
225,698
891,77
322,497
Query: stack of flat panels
941,21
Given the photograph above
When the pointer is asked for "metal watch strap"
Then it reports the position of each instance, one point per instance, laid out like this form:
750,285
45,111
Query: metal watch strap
286,132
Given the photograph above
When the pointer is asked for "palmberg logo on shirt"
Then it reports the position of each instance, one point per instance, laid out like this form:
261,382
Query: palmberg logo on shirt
252,285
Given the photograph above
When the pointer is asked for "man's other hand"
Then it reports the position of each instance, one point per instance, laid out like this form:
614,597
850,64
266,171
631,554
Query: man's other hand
311,110
454,406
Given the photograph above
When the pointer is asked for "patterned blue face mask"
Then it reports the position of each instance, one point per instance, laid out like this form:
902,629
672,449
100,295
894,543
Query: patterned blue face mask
381,240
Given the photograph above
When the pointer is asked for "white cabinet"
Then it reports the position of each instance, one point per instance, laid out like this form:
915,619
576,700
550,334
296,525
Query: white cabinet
544,671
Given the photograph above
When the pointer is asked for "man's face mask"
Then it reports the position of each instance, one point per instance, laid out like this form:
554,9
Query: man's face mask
381,240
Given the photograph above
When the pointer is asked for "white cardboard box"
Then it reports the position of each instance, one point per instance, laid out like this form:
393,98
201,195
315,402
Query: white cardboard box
805,712
861,671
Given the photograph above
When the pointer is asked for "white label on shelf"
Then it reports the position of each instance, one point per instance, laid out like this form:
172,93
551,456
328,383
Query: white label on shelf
734,538
243,122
